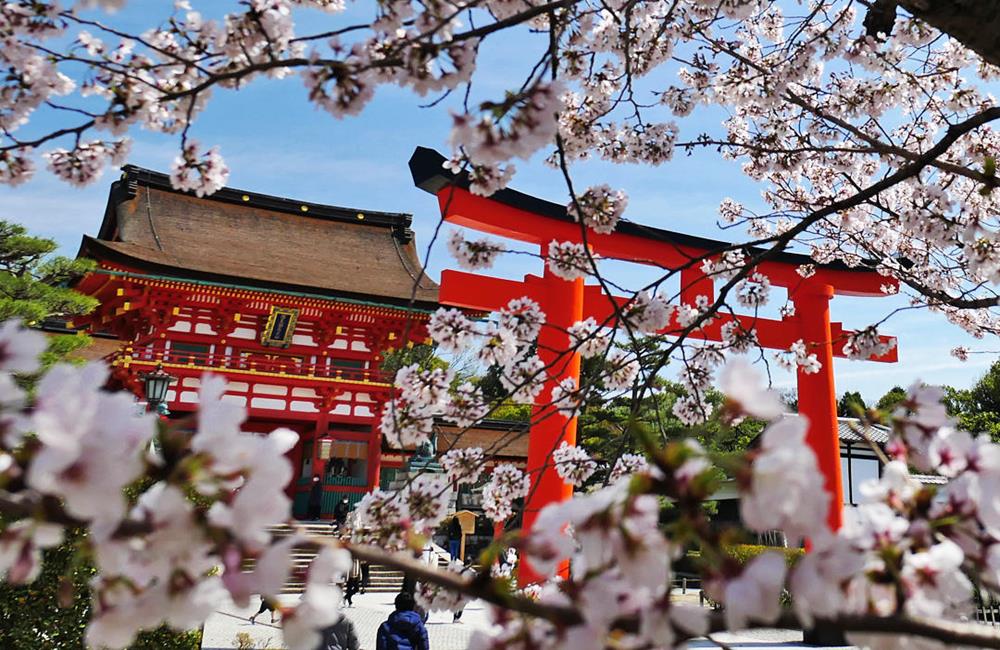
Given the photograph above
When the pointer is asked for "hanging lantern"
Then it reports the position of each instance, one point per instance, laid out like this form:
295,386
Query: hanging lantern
156,384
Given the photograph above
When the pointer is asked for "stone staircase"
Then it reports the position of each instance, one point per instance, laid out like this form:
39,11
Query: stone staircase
382,579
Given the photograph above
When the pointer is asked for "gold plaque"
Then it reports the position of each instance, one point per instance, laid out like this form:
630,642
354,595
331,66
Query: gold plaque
280,327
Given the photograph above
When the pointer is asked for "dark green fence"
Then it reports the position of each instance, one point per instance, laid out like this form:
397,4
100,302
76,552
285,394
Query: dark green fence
348,481
388,475
300,506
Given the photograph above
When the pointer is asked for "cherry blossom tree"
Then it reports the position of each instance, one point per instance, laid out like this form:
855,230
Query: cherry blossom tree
870,130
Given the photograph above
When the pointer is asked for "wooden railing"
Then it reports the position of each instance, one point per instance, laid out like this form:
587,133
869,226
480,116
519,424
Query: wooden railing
258,363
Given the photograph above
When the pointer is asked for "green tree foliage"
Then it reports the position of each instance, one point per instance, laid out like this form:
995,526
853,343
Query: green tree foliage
511,411
32,615
888,402
851,405
34,286
978,408
53,611
33,283
605,431
425,356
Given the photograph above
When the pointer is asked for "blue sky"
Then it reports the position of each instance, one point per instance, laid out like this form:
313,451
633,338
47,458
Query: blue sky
276,143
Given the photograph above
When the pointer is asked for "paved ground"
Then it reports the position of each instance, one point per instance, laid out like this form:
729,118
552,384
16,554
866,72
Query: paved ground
367,614
370,610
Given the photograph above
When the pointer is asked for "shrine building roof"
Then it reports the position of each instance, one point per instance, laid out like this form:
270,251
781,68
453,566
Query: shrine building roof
260,240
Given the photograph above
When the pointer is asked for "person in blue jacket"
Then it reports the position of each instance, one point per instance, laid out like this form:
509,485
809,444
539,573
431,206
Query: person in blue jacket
404,629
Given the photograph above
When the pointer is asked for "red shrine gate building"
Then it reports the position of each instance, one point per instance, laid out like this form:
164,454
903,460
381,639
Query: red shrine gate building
294,303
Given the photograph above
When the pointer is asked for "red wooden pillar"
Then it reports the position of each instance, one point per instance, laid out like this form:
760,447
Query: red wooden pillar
294,457
374,475
817,394
695,283
320,433
562,302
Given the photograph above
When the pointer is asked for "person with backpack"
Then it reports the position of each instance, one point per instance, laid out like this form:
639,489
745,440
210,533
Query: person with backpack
340,636
404,629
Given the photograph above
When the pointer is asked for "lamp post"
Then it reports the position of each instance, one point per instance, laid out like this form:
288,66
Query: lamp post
155,385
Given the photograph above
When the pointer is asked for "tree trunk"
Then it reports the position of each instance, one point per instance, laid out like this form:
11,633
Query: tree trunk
974,23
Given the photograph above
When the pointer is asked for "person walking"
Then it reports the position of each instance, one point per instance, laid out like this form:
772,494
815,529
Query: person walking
265,606
404,629
366,575
466,570
353,583
315,499
341,511
340,636
454,537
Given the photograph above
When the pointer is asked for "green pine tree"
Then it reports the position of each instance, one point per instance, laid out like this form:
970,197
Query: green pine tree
851,405
52,611
34,286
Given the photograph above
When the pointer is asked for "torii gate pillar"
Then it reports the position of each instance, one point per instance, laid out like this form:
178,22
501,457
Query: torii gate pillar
562,302
817,393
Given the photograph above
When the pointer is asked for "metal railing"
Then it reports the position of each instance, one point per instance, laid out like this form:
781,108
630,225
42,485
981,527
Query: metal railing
258,362
987,609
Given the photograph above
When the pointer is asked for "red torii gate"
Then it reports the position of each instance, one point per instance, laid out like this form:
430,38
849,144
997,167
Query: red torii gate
525,218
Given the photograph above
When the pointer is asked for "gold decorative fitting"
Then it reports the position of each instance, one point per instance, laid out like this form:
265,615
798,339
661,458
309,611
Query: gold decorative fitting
304,208
245,197
361,217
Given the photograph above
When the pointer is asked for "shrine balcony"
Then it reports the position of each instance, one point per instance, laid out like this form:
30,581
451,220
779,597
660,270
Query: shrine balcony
278,391
249,364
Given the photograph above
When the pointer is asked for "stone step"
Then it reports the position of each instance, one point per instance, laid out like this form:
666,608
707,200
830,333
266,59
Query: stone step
382,579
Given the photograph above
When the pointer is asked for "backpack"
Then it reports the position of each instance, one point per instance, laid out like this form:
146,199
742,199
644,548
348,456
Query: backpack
338,636
330,640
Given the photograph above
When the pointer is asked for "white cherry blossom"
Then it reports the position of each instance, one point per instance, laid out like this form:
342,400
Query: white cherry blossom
573,464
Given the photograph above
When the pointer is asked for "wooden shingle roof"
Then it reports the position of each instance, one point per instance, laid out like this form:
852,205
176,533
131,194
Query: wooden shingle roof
260,240
498,438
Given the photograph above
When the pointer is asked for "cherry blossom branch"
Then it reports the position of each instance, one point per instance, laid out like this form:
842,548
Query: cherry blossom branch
485,588
481,586
948,632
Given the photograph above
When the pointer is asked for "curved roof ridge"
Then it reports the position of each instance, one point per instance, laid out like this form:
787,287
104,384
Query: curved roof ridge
133,174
